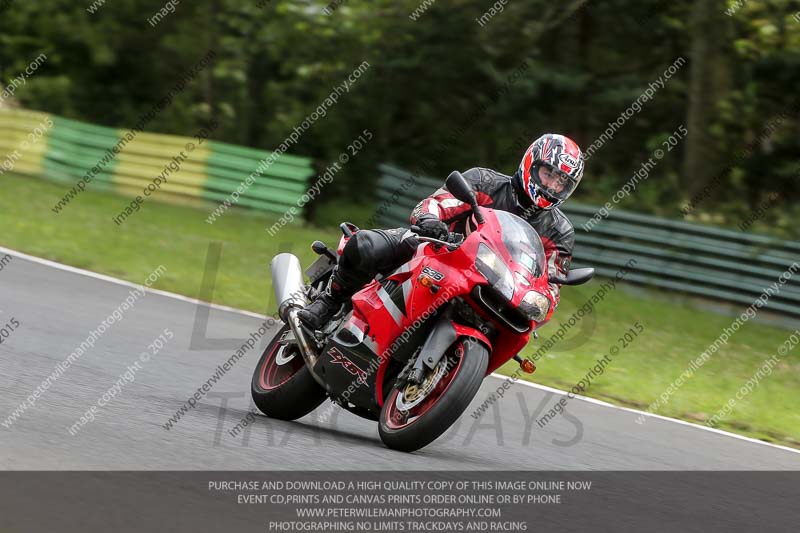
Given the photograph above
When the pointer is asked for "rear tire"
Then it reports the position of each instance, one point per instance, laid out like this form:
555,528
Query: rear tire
465,378
282,385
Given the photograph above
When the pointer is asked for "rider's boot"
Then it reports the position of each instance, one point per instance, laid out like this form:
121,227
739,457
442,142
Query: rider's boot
321,310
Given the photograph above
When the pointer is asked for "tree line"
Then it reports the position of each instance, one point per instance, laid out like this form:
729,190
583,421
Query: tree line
444,92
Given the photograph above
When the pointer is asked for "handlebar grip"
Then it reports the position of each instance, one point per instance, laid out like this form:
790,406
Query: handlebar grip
455,238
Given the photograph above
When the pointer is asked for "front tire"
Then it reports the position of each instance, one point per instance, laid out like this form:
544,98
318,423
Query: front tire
410,425
282,385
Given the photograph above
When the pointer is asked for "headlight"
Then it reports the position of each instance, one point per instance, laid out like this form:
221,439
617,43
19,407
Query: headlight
535,306
496,272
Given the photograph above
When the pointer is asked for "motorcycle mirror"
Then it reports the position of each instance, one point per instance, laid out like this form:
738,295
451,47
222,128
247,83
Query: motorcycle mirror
461,190
578,276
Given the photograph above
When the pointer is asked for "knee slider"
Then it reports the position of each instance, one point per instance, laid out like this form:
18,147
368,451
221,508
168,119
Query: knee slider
358,256
359,248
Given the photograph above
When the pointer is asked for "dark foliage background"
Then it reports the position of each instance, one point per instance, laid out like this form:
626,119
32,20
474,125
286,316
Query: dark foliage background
435,93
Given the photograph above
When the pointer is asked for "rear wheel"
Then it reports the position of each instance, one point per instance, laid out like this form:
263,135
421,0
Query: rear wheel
282,385
415,415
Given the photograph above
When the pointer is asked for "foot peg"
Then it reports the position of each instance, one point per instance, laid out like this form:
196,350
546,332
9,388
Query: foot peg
320,248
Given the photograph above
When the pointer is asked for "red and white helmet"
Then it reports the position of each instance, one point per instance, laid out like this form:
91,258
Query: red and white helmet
551,169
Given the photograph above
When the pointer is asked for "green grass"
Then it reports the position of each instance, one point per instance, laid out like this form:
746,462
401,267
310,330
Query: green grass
178,237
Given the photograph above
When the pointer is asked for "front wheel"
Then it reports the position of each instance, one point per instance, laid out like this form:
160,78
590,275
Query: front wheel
282,385
415,415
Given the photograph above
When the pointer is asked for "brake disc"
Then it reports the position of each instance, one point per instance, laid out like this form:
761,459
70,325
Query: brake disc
412,395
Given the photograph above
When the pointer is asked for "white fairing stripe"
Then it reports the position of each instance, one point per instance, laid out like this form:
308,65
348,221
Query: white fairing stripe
450,202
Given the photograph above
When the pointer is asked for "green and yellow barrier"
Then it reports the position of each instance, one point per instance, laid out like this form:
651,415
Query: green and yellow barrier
126,161
23,141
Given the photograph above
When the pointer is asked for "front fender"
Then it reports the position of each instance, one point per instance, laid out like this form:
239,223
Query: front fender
443,335
475,333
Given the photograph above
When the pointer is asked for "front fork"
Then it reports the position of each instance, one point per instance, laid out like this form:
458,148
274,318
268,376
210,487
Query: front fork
444,333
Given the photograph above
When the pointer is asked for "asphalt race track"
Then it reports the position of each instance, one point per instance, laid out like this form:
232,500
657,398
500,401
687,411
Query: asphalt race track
56,308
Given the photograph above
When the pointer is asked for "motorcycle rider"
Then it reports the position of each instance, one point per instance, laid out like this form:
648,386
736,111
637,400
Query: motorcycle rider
548,174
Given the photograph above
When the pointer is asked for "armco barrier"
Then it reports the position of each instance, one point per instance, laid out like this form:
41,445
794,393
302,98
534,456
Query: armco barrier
210,172
692,258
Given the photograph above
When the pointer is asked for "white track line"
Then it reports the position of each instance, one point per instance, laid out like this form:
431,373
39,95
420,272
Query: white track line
109,279
124,283
645,413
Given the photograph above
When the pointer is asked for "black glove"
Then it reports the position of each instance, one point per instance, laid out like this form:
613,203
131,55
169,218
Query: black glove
430,226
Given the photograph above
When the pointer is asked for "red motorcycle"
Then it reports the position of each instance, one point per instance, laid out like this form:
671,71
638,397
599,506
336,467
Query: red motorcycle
412,347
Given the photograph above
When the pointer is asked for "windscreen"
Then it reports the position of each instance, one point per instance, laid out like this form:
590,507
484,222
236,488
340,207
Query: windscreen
522,242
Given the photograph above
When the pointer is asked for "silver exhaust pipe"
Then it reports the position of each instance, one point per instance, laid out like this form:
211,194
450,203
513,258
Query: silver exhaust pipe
287,282
307,349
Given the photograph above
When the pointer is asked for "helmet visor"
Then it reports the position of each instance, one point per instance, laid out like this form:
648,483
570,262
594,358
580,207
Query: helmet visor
554,182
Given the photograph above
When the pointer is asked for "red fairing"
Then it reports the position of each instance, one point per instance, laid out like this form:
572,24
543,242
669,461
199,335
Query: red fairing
444,206
392,319
466,331
496,358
